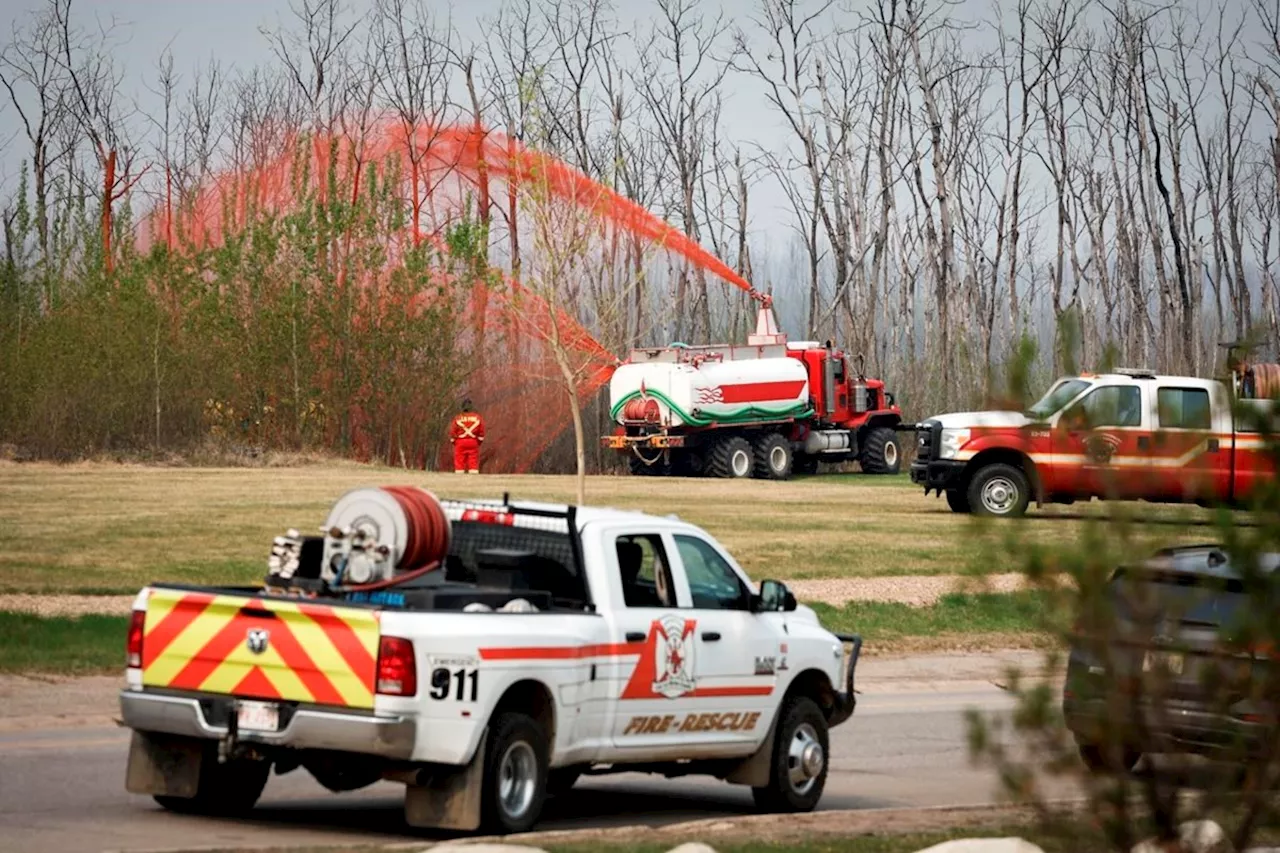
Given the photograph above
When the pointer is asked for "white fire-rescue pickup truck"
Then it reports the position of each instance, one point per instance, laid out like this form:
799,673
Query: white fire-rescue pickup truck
546,642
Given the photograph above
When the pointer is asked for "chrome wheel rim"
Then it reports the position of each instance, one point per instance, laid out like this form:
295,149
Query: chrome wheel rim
778,459
740,462
999,495
517,779
891,454
805,759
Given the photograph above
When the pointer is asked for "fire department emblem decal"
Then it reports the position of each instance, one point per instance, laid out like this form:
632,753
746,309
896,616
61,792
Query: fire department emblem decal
1100,448
673,657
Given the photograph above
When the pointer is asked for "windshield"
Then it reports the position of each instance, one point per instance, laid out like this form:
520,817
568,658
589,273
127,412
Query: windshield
1059,395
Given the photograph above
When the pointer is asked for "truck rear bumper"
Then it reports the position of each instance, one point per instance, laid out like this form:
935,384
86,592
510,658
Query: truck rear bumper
657,440
940,474
305,728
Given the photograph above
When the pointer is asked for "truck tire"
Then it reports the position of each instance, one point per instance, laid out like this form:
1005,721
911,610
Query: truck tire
881,453
515,774
222,789
730,458
803,463
999,491
798,772
958,500
773,457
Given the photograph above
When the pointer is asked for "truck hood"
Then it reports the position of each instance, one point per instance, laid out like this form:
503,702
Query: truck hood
958,420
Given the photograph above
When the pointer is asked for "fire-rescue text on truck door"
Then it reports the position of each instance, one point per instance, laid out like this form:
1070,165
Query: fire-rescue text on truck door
646,617
738,651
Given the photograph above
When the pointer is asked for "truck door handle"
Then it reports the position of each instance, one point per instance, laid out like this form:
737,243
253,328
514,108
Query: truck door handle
635,636
1144,442
1213,446
710,636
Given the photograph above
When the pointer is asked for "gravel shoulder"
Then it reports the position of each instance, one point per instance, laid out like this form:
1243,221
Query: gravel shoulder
912,590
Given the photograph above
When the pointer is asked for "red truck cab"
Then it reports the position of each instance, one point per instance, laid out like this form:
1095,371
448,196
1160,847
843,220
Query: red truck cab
1127,435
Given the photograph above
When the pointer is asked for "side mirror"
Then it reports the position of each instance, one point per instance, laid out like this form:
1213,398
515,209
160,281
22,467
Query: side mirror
774,597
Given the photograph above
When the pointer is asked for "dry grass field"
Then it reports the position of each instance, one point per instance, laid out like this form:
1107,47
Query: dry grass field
105,528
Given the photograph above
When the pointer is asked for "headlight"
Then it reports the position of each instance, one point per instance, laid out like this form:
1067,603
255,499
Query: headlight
952,441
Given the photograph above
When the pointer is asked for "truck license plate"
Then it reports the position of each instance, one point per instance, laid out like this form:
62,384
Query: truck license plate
1167,662
258,716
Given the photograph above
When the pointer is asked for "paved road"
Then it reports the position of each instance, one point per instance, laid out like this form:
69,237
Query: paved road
62,789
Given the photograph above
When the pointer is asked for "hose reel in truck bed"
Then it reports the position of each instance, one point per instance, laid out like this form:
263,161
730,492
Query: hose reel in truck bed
373,537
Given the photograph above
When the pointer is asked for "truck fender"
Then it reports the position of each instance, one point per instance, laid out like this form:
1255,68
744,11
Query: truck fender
448,797
754,770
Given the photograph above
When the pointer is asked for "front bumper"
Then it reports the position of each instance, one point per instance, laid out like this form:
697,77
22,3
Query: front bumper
658,440
847,699
940,474
304,728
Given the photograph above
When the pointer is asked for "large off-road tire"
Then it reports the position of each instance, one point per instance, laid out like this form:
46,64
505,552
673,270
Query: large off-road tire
798,772
773,457
1101,760
515,774
804,463
881,453
641,469
958,500
222,789
999,491
730,458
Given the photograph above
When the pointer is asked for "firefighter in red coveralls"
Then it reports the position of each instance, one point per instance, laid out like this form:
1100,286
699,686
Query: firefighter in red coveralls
467,434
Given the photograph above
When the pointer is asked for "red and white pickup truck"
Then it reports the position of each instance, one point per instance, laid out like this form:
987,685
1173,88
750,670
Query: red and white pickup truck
1128,435
484,654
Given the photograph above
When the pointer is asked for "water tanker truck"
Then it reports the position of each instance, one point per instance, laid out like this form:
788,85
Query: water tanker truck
766,409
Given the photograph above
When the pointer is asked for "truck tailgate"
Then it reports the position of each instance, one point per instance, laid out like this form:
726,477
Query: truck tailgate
261,648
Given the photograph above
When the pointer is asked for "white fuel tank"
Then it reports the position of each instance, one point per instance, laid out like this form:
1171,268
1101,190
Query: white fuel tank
714,391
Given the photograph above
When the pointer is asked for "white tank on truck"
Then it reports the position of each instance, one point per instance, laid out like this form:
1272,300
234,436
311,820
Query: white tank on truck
763,409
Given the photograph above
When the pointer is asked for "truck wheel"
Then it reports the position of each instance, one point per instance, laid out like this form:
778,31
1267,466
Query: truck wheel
730,458
515,774
881,453
798,772
803,463
1001,491
773,457
958,500
222,789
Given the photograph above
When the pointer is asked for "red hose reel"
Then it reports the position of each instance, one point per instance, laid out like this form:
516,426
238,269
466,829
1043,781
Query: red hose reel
379,537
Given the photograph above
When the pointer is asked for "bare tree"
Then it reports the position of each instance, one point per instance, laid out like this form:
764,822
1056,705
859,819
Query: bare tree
100,112
36,82
679,78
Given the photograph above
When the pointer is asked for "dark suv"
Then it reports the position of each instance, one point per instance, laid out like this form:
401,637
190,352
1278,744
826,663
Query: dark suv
1172,660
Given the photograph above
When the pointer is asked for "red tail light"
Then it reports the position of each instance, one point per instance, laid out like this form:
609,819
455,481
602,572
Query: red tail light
133,649
397,669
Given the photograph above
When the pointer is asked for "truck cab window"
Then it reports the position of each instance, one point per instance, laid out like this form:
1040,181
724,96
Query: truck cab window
712,581
1108,406
1183,408
642,565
